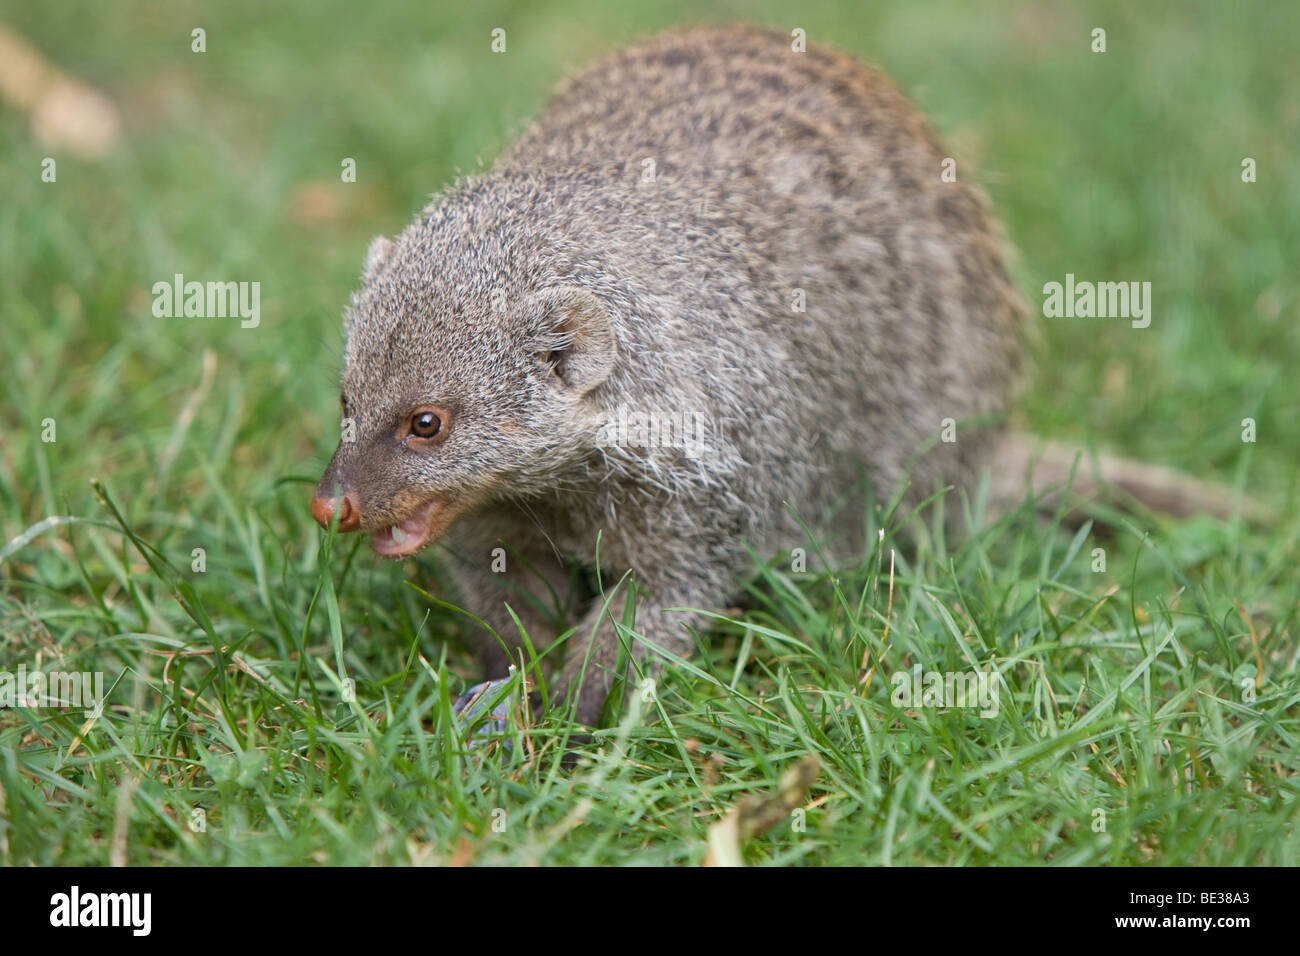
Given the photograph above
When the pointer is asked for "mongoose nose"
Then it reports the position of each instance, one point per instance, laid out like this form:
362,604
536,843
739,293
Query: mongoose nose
322,509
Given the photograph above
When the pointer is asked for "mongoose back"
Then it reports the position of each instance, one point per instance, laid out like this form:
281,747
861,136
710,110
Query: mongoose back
712,289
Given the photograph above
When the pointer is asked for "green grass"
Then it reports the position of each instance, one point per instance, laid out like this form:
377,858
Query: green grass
1122,690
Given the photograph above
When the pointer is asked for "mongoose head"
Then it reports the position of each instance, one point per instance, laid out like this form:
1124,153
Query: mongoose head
467,379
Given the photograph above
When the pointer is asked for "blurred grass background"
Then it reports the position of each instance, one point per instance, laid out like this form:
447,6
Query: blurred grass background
1117,166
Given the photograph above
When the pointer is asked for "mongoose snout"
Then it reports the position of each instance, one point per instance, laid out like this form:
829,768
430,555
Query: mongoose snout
400,539
405,524
717,284
324,506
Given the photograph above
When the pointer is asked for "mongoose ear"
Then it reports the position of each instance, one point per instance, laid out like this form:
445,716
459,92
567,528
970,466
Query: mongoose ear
381,248
580,343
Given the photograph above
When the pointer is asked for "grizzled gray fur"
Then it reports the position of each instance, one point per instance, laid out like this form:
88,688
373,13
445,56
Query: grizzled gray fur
643,250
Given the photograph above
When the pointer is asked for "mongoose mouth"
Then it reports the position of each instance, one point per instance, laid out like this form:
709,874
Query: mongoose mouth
417,532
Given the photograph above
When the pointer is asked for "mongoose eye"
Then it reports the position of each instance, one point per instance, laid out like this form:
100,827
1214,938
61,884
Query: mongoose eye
425,424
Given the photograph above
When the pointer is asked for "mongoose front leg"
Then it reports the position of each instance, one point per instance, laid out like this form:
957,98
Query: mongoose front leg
591,657
491,575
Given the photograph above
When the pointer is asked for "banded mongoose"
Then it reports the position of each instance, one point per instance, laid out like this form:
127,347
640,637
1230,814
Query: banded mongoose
750,249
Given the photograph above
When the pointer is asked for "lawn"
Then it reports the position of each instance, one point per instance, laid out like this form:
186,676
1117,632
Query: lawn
280,697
